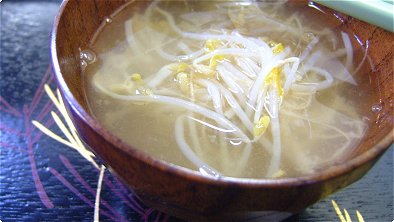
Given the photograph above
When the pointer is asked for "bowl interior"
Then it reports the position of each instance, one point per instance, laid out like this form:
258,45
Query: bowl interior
78,21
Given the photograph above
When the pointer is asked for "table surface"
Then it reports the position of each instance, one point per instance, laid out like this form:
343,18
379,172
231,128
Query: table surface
43,180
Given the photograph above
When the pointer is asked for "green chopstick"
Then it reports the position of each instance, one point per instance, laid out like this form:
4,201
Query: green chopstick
376,12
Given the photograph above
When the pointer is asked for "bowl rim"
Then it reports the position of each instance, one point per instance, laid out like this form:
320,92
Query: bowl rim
331,172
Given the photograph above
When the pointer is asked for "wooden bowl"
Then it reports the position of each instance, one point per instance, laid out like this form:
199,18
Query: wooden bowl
185,193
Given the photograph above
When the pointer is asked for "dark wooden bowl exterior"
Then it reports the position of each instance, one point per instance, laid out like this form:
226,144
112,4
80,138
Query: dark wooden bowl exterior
184,193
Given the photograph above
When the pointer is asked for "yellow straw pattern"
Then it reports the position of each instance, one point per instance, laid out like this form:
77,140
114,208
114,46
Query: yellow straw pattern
73,140
346,217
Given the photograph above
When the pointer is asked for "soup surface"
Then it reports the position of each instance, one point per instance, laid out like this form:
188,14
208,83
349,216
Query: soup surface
230,89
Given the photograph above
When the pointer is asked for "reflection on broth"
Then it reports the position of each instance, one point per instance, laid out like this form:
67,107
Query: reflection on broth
238,89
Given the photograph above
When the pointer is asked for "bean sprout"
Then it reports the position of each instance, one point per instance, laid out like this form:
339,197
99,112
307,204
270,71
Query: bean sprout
234,85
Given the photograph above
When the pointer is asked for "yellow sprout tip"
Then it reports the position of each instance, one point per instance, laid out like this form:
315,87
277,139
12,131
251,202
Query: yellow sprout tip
181,67
215,59
136,77
271,43
212,44
261,126
278,48
273,78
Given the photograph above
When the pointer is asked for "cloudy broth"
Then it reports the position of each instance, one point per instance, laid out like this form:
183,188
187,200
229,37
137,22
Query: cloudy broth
230,89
